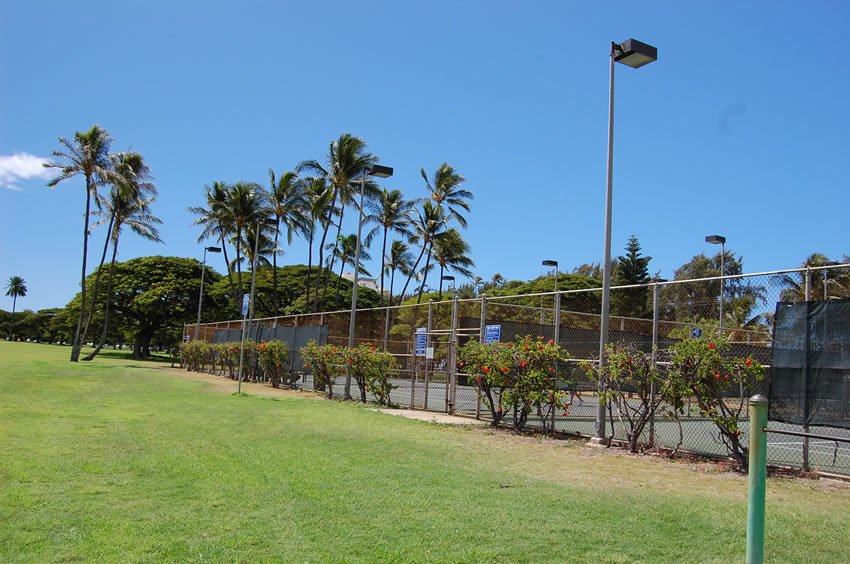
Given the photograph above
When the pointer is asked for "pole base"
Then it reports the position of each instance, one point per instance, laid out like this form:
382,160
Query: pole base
598,442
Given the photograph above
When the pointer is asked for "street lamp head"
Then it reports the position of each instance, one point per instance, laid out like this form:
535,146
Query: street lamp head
213,249
268,221
715,239
634,53
449,278
381,171
552,263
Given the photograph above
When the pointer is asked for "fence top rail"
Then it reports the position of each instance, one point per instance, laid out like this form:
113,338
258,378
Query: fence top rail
808,435
482,297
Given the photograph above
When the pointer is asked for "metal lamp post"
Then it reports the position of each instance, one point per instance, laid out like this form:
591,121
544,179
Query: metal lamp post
201,293
381,172
450,278
246,322
557,313
635,54
721,240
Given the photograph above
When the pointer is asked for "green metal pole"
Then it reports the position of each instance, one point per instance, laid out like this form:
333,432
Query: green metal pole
756,479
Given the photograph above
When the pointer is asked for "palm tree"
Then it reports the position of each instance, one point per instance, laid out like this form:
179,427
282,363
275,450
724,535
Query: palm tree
316,196
837,281
446,192
451,253
130,176
126,207
15,288
87,155
288,204
346,161
217,225
430,225
399,259
391,212
245,205
345,249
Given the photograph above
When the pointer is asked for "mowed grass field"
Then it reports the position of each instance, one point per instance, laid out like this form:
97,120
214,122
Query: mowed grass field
117,460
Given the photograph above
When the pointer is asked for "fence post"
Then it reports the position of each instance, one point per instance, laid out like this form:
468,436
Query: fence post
756,479
411,348
427,344
808,291
451,361
825,284
654,359
481,331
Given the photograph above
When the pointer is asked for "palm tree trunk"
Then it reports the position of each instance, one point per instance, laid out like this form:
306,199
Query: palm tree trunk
12,319
333,256
309,265
239,266
76,344
383,264
322,251
392,281
274,268
227,265
339,285
108,300
412,273
97,276
425,274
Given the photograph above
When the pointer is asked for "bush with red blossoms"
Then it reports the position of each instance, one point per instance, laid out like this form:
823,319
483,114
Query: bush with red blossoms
273,360
371,369
325,362
704,369
516,378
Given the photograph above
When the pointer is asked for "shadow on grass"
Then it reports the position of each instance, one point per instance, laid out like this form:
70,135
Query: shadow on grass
128,355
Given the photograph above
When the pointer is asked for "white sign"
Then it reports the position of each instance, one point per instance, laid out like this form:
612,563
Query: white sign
429,353
246,299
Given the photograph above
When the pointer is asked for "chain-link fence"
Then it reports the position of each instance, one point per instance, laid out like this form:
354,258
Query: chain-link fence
425,338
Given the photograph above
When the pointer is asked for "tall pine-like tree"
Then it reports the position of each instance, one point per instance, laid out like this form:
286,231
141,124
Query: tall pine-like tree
632,269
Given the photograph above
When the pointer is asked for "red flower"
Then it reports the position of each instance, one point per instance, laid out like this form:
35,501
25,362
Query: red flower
711,346
460,364
540,347
749,362
726,377
523,363
499,410
486,370
478,379
504,369
527,347
551,369
551,342
566,413
350,361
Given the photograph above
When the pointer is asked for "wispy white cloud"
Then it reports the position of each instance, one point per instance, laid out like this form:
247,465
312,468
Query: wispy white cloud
21,166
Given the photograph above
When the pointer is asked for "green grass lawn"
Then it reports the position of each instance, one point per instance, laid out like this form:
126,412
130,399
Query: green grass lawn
119,460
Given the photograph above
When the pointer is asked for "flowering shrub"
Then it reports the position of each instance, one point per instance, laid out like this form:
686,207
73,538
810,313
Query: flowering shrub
195,355
273,358
371,369
704,369
634,386
516,377
325,362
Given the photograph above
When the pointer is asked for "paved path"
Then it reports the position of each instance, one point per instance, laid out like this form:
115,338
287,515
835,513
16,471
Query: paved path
432,417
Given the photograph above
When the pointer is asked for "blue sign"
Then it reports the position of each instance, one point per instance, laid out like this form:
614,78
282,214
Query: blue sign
492,333
696,332
246,298
421,340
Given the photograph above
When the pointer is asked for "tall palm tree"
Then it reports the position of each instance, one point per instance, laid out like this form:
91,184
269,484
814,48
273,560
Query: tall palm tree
246,204
126,208
401,259
317,196
837,281
15,288
390,212
288,204
87,155
217,225
346,161
429,225
345,250
452,254
130,180
446,192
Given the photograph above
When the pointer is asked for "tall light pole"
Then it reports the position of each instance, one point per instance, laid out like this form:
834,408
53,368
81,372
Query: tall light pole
635,54
201,293
246,322
557,313
714,240
381,172
450,278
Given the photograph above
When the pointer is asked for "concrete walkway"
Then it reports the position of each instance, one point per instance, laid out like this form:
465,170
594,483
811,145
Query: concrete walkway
432,417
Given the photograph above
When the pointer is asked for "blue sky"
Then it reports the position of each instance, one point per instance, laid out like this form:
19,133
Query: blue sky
740,128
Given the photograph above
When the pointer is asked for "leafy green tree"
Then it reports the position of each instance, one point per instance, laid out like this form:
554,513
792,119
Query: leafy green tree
633,268
391,213
346,161
451,252
16,288
87,155
837,280
289,207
